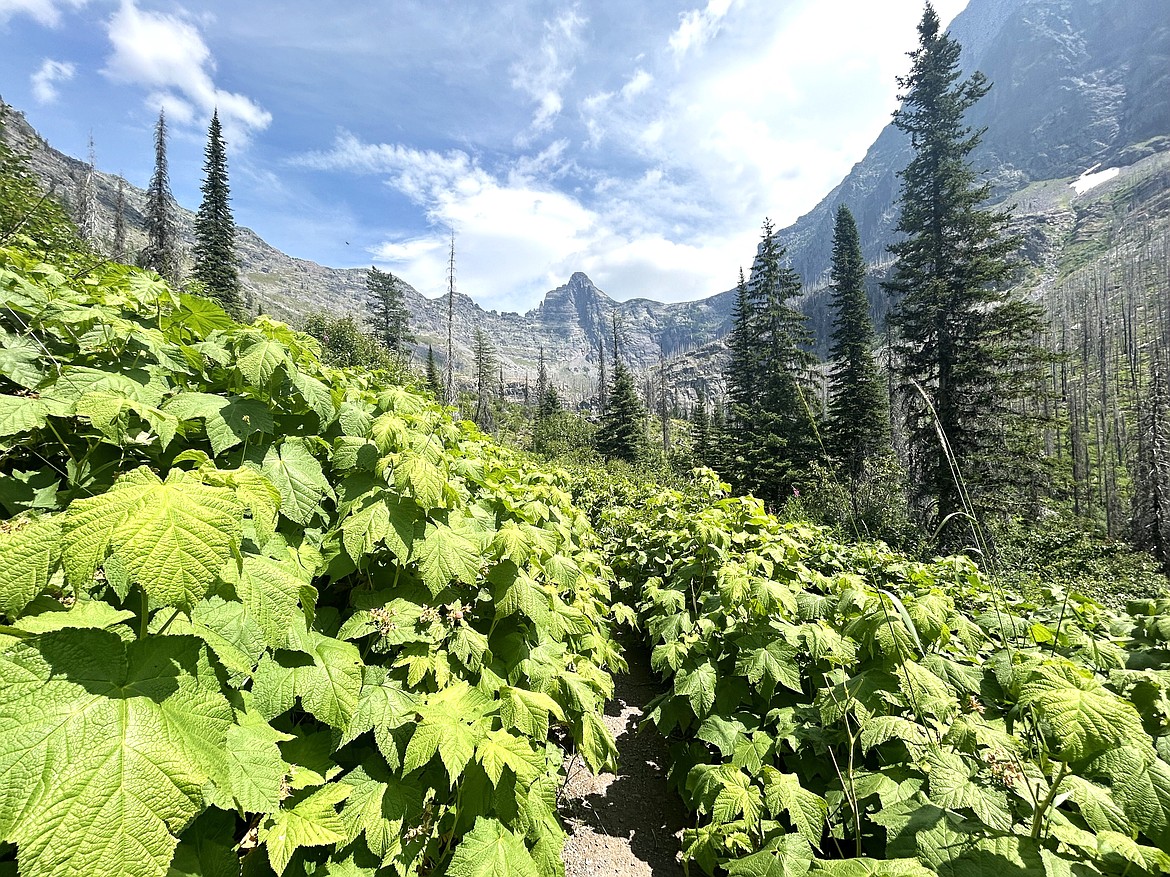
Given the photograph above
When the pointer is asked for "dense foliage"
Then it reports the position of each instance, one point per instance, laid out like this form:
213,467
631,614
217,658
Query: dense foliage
846,710
262,613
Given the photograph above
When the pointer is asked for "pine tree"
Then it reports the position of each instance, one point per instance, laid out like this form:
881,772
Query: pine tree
1150,524
215,229
434,383
858,425
161,253
118,245
741,369
541,377
965,346
772,426
701,432
622,433
485,365
389,317
602,377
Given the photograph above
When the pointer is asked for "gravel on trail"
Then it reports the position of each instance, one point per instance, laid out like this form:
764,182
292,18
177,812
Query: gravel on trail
629,823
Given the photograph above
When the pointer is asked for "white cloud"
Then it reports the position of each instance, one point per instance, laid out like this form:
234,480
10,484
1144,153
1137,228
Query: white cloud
698,27
167,54
48,75
46,12
544,75
638,84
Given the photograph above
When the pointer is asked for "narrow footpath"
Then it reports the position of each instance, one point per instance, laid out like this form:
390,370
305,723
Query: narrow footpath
627,824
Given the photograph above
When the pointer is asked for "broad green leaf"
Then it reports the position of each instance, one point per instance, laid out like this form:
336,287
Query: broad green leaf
21,414
807,810
130,734
597,744
951,785
330,686
445,555
198,315
229,420
421,479
298,476
312,822
490,850
773,661
528,711
272,590
171,537
499,750
698,686
378,807
255,769
29,551
259,362
872,868
1079,716
785,856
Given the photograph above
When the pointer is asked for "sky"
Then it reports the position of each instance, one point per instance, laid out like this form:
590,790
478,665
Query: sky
640,141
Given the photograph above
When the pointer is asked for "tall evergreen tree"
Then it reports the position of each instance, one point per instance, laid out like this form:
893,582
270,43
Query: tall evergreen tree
602,376
484,354
772,425
118,246
215,229
434,382
1150,524
965,346
741,367
858,426
389,316
701,431
622,433
161,252
541,376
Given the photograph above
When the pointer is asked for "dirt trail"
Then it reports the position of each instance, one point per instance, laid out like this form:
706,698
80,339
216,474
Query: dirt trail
628,824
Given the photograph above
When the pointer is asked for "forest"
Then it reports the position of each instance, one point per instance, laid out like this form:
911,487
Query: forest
278,601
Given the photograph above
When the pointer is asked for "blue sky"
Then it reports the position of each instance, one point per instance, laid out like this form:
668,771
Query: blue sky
640,142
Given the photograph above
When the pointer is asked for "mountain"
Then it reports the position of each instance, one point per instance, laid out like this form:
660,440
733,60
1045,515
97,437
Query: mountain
569,323
1075,84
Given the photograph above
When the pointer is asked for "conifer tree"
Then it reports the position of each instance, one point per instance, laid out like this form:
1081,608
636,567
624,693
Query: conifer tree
701,432
622,433
541,377
602,376
771,426
858,425
215,228
484,354
118,245
965,346
1150,524
389,316
161,252
434,382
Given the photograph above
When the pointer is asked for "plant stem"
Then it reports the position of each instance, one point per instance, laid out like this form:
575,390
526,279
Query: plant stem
1038,819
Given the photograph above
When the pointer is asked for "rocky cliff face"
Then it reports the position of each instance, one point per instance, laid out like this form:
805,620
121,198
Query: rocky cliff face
1076,83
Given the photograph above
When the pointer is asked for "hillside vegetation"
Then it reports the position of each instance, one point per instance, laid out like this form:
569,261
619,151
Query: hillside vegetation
266,616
